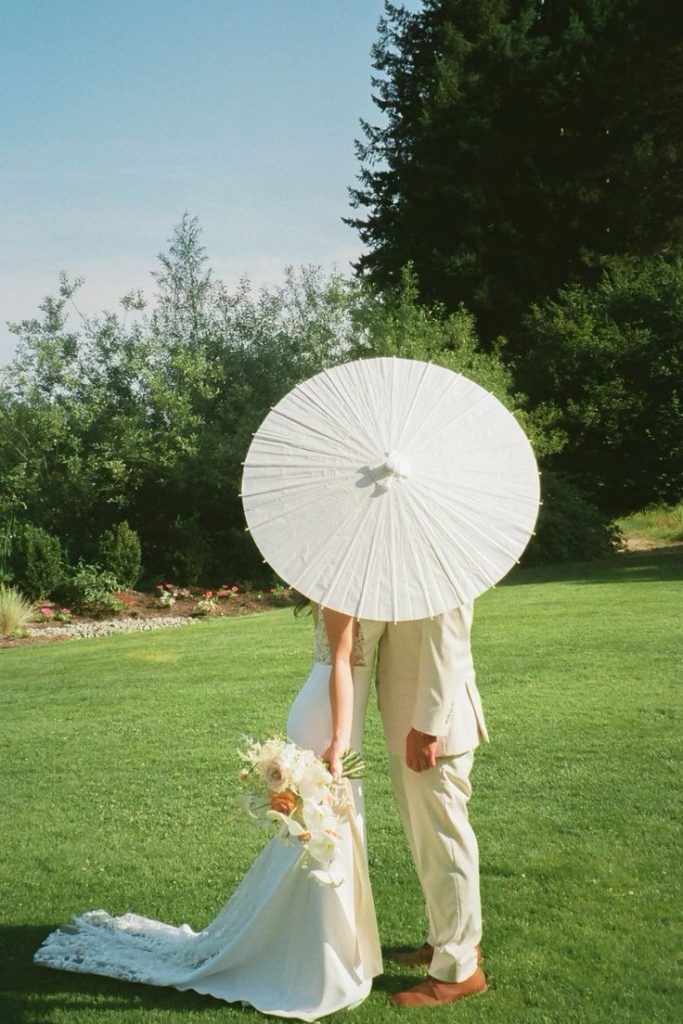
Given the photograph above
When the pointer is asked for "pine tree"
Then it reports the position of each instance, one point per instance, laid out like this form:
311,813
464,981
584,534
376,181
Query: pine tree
524,141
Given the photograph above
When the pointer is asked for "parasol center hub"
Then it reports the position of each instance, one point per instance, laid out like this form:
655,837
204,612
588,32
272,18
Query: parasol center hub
396,466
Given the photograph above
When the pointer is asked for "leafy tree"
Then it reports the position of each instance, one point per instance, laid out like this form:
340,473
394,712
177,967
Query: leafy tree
8,532
570,527
522,141
605,365
394,324
151,420
76,414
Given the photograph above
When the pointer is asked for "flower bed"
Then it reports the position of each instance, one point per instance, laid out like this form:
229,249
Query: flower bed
168,605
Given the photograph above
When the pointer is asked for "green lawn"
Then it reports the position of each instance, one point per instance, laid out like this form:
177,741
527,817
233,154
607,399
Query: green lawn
119,769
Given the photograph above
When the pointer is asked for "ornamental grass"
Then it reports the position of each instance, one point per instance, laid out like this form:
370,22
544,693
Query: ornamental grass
16,611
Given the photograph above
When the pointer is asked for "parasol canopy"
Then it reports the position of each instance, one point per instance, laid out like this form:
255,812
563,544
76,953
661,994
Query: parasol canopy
390,489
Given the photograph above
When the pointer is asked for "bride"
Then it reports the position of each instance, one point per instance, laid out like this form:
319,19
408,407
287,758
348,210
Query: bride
282,943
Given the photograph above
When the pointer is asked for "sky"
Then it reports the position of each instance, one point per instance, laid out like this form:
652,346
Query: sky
118,116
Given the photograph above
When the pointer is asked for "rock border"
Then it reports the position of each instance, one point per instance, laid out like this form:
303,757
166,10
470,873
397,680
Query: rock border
86,630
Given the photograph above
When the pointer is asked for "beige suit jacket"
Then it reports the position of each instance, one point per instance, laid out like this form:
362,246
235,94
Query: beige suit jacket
426,681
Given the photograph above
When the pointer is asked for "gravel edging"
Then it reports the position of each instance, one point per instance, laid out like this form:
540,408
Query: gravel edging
85,630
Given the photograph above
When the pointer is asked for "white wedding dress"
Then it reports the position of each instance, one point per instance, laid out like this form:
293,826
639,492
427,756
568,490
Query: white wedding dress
283,943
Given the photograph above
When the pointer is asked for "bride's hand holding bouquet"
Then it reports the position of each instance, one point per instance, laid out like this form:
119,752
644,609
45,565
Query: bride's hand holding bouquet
295,794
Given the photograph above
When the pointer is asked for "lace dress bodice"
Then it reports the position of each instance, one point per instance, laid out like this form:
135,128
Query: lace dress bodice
367,635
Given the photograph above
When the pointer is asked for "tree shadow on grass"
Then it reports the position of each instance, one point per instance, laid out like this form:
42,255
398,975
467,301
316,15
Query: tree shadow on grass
628,567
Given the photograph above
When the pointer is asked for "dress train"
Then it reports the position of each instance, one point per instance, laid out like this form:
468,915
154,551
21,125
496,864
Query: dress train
282,943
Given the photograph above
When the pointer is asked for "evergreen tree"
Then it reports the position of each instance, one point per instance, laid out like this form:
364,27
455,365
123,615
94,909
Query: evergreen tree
606,364
120,553
524,140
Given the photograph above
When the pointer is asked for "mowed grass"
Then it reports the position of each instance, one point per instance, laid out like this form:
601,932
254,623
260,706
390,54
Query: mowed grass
119,773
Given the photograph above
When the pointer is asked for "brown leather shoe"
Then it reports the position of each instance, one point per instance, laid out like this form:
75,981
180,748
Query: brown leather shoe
433,992
419,957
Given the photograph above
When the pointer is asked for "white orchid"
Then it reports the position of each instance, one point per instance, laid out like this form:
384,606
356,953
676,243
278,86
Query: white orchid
285,825
317,817
322,849
326,878
252,806
297,797
315,783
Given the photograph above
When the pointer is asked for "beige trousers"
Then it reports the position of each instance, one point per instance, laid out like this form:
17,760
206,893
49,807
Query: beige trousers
433,806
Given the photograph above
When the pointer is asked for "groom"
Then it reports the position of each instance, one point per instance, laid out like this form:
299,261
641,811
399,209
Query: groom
433,720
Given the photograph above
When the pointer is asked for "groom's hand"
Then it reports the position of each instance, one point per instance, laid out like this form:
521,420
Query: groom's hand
420,750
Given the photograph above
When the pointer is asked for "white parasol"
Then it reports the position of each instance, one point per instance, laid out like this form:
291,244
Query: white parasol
390,489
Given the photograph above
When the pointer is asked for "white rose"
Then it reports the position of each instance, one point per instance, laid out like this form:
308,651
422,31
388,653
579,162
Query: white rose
275,774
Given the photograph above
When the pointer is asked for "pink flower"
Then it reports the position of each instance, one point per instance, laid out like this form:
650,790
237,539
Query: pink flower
47,613
169,586
234,589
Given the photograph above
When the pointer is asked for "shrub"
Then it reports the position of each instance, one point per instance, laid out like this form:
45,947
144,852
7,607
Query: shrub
15,611
569,528
190,550
36,562
7,533
91,589
119,553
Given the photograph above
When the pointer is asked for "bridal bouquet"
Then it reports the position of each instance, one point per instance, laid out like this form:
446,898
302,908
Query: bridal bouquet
294,794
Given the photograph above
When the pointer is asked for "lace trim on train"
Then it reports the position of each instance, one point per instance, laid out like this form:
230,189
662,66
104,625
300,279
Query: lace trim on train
130,947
